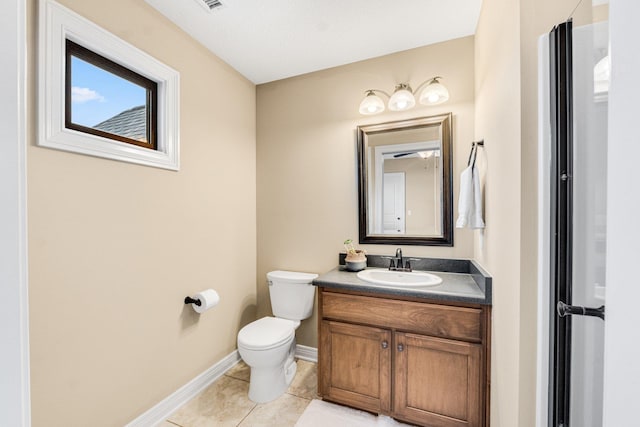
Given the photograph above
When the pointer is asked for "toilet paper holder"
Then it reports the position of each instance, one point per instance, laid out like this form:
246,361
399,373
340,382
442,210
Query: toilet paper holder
189,300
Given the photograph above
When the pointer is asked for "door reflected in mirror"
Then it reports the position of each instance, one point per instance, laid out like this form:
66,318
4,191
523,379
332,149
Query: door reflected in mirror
405,182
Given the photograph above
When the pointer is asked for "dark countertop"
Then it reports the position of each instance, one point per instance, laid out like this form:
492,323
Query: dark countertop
465,281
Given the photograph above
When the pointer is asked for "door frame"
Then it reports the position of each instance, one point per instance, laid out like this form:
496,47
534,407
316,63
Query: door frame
14,304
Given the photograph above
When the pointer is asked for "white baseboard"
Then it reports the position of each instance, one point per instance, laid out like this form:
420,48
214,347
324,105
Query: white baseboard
307,353
171,403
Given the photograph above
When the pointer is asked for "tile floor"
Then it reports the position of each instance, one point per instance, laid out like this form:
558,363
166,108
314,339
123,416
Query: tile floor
225,402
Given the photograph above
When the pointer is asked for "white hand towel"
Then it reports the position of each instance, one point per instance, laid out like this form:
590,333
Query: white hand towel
470,198
465,198
475,220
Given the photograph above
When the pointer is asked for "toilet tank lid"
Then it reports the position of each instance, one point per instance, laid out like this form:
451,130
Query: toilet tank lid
291,276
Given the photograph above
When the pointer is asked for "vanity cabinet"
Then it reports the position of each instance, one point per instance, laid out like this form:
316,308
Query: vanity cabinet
359,370
421,362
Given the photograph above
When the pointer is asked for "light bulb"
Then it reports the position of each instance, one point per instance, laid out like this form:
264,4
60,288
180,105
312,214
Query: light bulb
434,93
371,104
402,98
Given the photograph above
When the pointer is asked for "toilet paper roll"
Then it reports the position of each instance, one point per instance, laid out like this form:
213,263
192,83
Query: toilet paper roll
208,299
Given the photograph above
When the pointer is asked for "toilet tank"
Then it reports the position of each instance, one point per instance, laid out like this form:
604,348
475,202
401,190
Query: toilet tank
292,294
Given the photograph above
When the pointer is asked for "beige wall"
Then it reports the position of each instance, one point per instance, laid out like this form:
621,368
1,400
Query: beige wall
600,13
506,117
498,123
114,248
306,151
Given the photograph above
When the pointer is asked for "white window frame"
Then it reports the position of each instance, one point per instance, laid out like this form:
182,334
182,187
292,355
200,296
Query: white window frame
57,24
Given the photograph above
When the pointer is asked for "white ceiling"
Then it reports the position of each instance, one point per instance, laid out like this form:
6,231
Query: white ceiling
276,39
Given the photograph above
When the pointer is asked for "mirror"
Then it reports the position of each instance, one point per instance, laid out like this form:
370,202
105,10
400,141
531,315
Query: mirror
405,184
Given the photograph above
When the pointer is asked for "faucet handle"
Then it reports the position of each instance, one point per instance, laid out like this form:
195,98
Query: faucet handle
407,264
392,261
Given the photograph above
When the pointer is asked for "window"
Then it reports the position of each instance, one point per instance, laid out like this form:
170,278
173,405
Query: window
106,99
100,96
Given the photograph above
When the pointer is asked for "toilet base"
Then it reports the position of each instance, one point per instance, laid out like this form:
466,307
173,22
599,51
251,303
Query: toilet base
268,384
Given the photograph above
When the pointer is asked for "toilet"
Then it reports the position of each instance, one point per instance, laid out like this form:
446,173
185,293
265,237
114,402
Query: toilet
268,345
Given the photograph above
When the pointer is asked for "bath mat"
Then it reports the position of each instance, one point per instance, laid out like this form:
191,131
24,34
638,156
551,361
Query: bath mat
322,414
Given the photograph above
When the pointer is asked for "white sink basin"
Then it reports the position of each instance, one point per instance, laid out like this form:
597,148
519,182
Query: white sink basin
399,278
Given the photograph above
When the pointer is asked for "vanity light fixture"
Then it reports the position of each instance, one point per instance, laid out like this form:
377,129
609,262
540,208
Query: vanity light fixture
403,97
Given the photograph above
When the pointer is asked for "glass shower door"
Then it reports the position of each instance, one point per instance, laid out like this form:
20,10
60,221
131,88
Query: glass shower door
590,109
576,156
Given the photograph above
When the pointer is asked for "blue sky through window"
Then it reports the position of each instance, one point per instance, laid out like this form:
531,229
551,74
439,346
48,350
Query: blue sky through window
98,95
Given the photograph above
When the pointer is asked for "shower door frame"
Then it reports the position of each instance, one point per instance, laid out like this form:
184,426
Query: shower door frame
561,227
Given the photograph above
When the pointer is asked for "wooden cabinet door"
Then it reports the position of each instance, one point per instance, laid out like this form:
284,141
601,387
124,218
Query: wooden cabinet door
356,365
437,381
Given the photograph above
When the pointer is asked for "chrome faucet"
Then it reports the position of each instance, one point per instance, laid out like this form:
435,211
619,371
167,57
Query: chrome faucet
399,263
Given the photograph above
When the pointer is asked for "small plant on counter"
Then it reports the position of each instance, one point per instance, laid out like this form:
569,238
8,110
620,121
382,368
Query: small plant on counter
354,254
348,245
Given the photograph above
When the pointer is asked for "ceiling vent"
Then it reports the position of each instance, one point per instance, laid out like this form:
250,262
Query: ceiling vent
210,5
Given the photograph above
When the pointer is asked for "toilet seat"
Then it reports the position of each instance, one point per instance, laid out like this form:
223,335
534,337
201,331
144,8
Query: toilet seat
266,333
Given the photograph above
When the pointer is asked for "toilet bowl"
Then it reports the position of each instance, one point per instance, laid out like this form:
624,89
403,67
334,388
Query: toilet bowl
267,345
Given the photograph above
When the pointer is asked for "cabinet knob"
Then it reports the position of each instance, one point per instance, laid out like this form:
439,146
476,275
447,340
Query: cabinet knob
400,347
385,344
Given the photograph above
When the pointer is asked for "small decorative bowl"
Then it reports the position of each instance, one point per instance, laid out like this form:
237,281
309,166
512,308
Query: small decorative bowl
355,265
356,261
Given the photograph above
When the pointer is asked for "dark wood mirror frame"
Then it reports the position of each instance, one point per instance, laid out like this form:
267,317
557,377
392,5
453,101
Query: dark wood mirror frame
446,239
